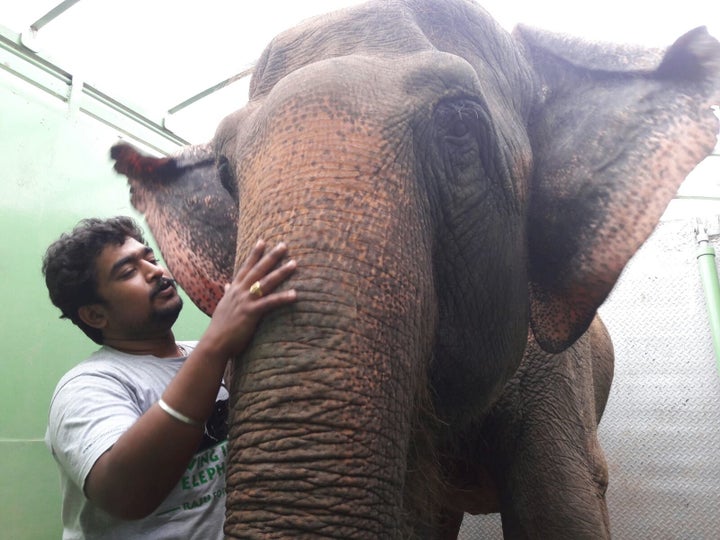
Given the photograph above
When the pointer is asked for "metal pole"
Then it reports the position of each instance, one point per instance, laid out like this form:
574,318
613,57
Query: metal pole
219,86
709,277
53,14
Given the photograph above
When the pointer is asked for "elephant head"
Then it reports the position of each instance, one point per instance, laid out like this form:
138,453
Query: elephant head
446,188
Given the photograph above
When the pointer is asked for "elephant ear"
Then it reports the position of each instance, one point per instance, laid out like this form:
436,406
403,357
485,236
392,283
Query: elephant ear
187,202
616,132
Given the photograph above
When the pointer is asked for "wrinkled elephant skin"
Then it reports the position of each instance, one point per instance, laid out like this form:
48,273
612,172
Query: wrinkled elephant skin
460,201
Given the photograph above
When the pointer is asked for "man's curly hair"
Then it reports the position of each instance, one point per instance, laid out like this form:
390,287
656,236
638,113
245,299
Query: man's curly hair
69,265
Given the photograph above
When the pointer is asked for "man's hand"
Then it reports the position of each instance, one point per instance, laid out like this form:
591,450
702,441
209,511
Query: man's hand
237,314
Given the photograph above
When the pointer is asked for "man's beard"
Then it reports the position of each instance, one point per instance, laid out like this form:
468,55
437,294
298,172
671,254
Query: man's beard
168,314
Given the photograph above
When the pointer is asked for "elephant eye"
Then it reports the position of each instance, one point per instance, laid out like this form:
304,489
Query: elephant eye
459,128
457,119
227,179
463,139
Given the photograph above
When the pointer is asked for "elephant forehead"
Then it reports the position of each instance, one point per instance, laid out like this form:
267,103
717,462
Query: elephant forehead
379,87
330,104
395,30
382,91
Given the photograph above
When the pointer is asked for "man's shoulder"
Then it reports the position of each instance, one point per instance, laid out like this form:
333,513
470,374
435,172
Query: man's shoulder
110,364
101,359
96,360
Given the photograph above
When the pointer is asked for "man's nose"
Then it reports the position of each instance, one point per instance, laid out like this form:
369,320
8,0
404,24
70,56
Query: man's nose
153,271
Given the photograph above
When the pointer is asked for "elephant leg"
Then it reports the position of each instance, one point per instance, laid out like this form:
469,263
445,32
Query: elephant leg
550,469
563,498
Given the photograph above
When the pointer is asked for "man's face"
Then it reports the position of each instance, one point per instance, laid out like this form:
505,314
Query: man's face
139,300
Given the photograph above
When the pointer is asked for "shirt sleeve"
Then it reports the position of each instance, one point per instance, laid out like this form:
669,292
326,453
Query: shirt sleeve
88,414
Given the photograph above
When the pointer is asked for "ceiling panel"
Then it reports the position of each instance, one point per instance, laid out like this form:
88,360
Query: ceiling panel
153,55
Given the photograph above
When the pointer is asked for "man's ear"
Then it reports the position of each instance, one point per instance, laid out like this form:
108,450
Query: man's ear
93,315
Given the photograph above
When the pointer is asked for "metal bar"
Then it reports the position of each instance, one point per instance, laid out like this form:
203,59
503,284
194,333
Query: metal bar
29,67
211,90
112,104
709,277
697,197
53,14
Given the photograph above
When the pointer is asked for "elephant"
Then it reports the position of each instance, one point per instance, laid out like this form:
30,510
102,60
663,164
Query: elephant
460,200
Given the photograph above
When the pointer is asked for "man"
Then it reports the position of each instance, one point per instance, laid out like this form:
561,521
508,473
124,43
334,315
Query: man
138,429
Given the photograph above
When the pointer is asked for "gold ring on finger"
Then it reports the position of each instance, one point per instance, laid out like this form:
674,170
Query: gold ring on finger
256,290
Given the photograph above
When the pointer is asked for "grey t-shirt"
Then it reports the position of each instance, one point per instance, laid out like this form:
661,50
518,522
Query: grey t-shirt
93,405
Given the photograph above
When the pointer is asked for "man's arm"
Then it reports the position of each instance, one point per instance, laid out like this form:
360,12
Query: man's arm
137,473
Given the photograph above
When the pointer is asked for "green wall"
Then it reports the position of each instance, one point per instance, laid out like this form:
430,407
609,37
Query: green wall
55,171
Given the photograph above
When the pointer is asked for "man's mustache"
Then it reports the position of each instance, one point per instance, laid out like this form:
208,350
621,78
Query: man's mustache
162,284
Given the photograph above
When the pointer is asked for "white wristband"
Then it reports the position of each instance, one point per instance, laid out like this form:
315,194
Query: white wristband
177,415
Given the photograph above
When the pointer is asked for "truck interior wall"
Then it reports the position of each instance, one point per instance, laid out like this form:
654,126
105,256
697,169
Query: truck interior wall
55,171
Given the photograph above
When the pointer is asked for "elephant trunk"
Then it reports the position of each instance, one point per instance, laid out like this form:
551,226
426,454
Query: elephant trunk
321,408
